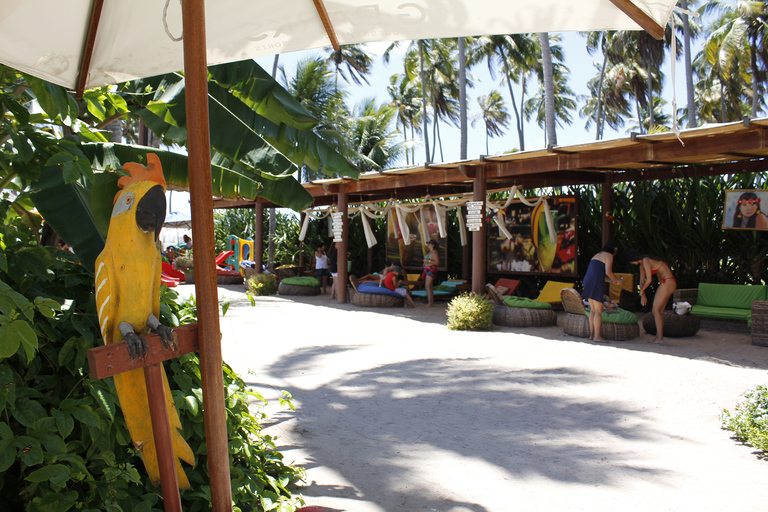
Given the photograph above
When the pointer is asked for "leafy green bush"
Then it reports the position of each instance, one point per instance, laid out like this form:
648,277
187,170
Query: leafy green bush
470,312
749,420
262,284
64,444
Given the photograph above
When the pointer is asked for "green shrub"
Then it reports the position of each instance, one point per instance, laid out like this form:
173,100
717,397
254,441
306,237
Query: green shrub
262,284
64,444
749,419
470,312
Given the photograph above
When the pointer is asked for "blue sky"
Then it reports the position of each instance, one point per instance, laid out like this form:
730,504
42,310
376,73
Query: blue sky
580,63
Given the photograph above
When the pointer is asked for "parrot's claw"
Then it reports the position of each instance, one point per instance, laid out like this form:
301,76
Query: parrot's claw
167,336
137,346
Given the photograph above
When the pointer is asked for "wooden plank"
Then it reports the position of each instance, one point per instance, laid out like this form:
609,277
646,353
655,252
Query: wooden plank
109,360
640,17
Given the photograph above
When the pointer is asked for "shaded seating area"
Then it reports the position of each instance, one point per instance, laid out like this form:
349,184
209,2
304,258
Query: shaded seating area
512,311
619,326
299,285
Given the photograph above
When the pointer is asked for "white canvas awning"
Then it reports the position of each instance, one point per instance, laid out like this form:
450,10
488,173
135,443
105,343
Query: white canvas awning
47,38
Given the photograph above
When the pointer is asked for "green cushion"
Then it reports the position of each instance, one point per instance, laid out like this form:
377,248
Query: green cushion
621,316
521,302
734,296
723,313
302,281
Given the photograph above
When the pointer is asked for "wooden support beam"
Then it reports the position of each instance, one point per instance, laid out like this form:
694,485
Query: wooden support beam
607,209
343,246
321,10
90,41
478,237
206,291
640,17
258,236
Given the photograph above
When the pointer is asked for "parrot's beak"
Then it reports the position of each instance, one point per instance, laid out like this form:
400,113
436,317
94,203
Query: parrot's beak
150,212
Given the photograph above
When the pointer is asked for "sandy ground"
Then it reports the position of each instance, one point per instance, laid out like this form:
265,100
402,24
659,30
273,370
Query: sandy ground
394,412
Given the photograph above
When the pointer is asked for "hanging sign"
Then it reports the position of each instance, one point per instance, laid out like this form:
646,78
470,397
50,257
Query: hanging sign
474,215
338,227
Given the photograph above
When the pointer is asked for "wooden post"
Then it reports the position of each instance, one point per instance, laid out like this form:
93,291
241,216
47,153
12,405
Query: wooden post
607,207
466,261
369,263
258,235
343,247
301,245
478,237
113,359
201,199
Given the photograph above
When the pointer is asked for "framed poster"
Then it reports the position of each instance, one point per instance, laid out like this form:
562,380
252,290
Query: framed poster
531,249
411,256
744,209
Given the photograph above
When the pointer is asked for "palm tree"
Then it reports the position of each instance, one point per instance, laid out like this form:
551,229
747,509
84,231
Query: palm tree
372,138
494,114
406,101
688,34
517,55
563,102
355,59
549,89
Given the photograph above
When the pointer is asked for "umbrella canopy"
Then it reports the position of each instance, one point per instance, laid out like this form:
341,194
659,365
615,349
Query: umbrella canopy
178,220
110,41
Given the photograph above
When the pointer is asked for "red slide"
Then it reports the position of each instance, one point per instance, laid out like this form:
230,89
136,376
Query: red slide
221,259
171,272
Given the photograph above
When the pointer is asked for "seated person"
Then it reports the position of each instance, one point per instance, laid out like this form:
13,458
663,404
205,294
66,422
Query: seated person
394,281
377,277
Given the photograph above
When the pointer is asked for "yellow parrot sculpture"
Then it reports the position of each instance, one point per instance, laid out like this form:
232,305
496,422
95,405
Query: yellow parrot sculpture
128,303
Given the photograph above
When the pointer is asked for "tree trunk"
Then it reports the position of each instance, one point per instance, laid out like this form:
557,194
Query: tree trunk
755,74
651,121
549,90
690,98
599,114
518,119
424,98
463,100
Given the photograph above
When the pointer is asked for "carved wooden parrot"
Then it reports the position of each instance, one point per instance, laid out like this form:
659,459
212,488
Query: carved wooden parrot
128,302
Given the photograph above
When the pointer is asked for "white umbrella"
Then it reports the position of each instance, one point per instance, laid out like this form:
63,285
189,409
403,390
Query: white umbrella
178,220
87,43
140,38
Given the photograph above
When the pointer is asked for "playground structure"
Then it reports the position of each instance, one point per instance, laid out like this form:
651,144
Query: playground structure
241,249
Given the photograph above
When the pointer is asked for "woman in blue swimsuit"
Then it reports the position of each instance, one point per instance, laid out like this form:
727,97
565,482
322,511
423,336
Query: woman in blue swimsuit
599,271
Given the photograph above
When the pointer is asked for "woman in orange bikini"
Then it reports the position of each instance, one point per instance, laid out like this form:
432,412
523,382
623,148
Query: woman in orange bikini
650,266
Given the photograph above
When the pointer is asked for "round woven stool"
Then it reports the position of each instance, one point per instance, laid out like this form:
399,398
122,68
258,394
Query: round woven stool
376,300
295,289
675,326
523,317
578,325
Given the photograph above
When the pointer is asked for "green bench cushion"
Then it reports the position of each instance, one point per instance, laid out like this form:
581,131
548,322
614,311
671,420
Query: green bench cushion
730,296
621,316
302,281
522,302
723,313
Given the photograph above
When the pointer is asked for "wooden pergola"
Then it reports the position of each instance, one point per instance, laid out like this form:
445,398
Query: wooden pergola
731,148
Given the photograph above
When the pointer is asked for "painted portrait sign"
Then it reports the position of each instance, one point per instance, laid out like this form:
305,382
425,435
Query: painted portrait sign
411,255
744,209
531,249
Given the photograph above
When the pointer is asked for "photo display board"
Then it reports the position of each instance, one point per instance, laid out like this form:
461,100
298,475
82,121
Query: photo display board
411,256
530,250
745,209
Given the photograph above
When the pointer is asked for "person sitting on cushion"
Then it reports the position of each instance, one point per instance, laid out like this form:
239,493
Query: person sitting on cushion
394,281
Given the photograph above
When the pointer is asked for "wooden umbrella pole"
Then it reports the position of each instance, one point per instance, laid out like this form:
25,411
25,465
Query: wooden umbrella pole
201,199
479,188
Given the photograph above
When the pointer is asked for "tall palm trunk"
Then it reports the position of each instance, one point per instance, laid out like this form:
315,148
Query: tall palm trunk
755,73
518,119
599,114
463,100
690,98
549,90
424,97
651,121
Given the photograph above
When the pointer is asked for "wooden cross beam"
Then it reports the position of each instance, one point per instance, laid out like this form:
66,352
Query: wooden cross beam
113,359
